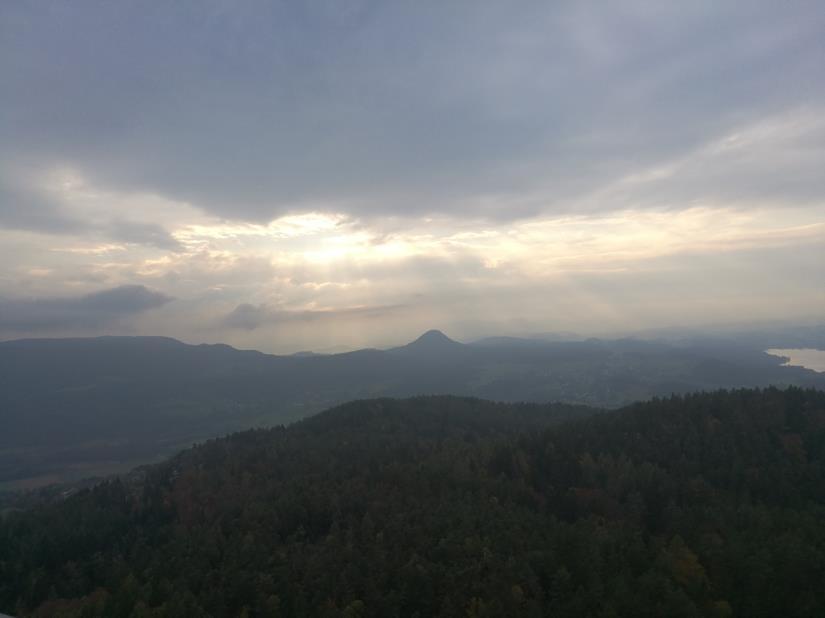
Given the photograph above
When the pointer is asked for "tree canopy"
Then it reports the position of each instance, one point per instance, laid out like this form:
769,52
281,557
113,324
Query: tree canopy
702,505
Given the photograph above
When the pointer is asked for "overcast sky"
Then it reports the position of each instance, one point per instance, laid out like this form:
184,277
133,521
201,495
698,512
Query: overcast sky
313,174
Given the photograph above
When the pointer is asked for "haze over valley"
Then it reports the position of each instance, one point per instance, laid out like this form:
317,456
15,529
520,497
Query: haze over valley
78,408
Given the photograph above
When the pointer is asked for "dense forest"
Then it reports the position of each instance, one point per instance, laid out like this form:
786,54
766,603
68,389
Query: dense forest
699,505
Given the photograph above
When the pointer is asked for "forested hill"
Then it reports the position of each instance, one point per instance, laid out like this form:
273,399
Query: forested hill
703,505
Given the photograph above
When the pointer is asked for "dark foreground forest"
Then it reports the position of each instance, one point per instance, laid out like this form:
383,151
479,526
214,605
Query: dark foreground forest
702,505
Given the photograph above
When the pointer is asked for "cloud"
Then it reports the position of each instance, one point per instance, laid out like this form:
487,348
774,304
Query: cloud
253,110
85,312
144,234
250,317
247,316
31,204
306,172
26,209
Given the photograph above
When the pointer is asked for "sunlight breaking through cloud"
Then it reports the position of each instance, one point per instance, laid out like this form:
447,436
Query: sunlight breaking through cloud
548,171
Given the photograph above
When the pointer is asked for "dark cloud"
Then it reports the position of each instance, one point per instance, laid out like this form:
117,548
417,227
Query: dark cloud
85,312
256,108
247,316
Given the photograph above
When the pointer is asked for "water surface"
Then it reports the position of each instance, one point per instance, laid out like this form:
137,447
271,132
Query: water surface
802,357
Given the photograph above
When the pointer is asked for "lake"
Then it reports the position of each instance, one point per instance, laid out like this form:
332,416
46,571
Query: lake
802,357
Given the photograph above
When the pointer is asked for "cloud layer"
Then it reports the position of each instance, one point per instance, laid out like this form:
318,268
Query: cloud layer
259,108
90,311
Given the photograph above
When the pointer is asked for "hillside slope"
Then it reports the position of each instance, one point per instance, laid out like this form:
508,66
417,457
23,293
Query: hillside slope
704,505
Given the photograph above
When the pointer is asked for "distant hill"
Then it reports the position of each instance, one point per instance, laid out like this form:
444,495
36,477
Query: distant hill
490,342
433,342
72,408
704,505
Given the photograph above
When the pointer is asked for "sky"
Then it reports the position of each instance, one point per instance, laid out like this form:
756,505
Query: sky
330,174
